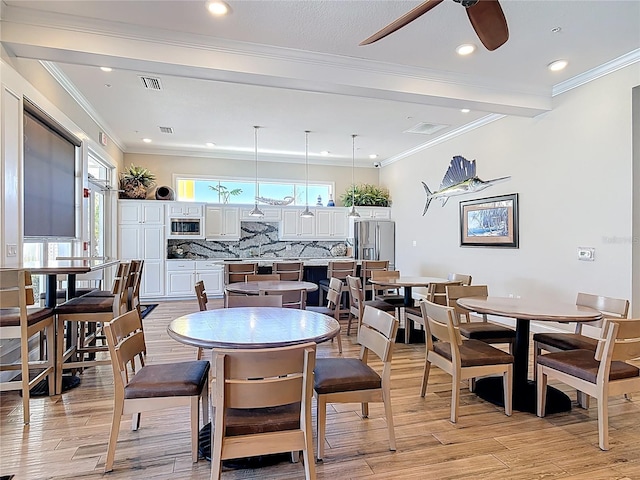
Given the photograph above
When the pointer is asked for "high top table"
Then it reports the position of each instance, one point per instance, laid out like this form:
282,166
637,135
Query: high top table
524,310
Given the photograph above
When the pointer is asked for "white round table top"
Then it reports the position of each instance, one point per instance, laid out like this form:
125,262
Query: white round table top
407,281
253,288
252,327
530,309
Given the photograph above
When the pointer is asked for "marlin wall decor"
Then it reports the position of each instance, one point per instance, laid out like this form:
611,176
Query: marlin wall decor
460,179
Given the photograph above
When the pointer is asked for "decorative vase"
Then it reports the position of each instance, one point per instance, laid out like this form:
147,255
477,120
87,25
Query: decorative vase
319,202
331,203
165,193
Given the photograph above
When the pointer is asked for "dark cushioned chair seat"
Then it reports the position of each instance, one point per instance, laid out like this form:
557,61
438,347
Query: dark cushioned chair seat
333,375
62,294
380,305
413,311
581,364
86,305
474,353
487,332
392,299
182,379
567,341
10,317
262,420
99,293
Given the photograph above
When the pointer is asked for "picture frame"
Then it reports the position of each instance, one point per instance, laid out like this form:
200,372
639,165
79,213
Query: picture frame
490,222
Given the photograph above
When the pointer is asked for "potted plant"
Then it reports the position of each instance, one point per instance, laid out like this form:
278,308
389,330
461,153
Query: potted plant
135,181
224,192
366,195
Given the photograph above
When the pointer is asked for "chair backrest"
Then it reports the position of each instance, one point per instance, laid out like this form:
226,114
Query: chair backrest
201,295
341,269
459,277
232,301
119,290
262,277
610,308
236,272
289,270
384,275
16,291
294,298
334,293
437,291
621,343
125,339
369,266
439,323
122,271
133,283
261,378
377,333
356,296
454,292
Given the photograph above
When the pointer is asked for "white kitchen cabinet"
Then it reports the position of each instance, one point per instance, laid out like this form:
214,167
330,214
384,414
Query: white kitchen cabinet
332,223
141,236
184,209
271,214
222,223
182,276
295,227
368,213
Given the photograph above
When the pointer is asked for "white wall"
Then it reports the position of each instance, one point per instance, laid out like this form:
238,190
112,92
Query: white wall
572,168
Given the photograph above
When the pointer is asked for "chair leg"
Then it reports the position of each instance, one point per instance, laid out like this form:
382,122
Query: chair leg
204,399
349,323
386,398
508,390
118,407
339,337
51,358
307,452
536,352
135,421
583,400
195,426
365,410
24,368
425,378
217,434
455,396
59,354
603,419
542,391
321,419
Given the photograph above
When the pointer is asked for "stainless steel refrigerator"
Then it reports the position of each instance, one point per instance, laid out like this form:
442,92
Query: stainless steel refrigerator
375,240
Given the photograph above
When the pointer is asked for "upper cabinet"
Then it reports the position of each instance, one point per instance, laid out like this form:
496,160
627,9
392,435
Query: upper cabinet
184,209
374,213
132,212
295,227
271,214
332,223
222,223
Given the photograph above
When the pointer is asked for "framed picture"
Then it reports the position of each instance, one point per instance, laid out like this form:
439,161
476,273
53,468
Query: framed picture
490,222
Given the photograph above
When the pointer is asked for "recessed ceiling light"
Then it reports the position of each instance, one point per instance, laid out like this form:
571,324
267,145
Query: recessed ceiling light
324,153
106,69
210,144
465,110
557,65
373,155
146,140
465,49
217,7
556,29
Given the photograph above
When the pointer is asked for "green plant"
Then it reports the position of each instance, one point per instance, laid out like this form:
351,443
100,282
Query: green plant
224,192
366,195
135,181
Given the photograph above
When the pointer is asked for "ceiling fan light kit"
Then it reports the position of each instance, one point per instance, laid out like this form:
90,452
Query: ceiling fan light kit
486,17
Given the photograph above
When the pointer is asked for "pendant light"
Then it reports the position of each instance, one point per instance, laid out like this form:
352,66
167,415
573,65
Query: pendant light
306,213
353,212
256,212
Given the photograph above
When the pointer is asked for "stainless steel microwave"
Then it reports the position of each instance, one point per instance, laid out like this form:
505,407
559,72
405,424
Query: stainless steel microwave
180,227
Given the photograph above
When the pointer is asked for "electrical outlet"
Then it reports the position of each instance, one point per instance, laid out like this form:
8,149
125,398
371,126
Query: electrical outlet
415,244
587,254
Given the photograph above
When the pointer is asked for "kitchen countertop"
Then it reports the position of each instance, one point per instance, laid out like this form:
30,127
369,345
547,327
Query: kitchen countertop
265,261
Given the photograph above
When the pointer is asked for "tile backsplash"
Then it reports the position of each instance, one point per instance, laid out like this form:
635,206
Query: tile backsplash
257,239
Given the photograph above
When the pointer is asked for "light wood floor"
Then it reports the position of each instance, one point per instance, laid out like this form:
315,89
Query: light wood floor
67,437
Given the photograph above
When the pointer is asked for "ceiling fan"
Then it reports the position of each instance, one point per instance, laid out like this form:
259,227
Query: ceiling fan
486,18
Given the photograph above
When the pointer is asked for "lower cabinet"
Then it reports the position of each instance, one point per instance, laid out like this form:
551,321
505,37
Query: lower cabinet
182,275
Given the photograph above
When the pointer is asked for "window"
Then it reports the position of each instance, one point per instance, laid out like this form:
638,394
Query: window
243,191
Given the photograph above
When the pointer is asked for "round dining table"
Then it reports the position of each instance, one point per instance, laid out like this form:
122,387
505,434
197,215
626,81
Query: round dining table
524,310
253,288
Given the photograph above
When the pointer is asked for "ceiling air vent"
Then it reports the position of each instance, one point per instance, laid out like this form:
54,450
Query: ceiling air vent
151,83
424,128
166,129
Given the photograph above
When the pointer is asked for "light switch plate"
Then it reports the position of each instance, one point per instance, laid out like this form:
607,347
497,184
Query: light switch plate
587,254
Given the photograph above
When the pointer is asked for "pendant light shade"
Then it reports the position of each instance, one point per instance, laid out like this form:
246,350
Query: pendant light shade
306,213
256,212
353,212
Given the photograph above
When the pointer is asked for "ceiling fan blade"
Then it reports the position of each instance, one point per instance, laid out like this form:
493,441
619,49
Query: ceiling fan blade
407,18
488,21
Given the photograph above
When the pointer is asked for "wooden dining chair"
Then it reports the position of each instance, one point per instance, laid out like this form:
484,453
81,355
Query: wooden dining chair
601,374
293,298
350,380
460,277
19,320
262,400
389,295
436,293
341,270
201,295
144,388
357,303
367,267
237,271
331,309
289,270
462,359
262,277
